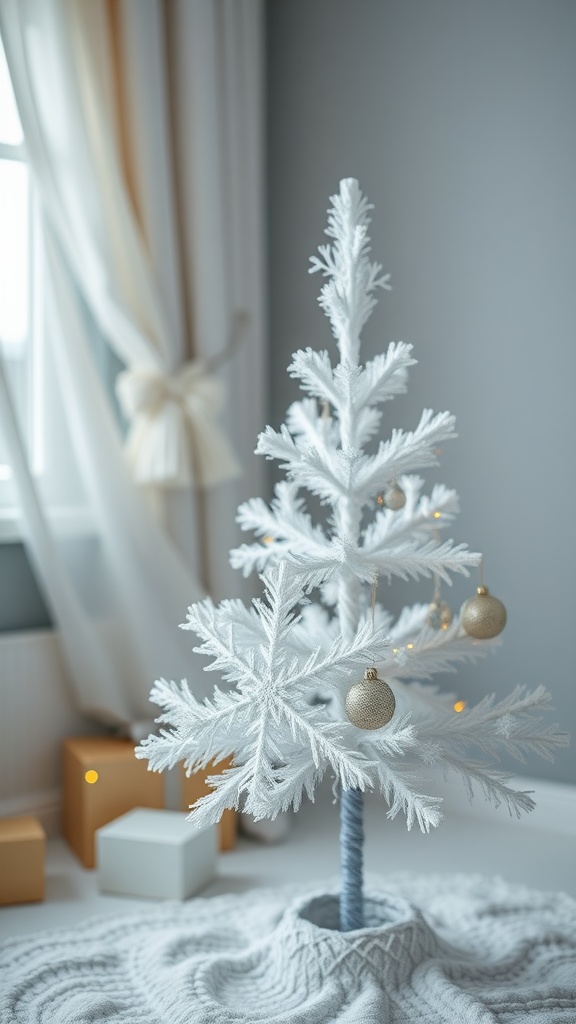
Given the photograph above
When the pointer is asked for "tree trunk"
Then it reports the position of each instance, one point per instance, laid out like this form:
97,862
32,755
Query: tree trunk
351,859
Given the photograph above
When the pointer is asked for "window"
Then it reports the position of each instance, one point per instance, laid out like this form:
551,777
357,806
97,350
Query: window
27,357
21,334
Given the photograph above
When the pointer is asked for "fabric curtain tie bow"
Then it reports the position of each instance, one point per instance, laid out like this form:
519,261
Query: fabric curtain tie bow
174,438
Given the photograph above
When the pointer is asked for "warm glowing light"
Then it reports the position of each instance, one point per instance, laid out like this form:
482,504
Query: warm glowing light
268,539
437,515
459,706
91,776
380,499
395,650
444,625
409,647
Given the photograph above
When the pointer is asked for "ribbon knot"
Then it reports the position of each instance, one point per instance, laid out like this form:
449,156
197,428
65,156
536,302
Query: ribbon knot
174,439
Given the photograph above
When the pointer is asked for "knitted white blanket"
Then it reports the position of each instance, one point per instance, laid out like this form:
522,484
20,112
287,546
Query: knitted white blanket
476,951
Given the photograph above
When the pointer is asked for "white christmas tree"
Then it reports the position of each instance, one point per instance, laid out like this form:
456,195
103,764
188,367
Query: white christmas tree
293,707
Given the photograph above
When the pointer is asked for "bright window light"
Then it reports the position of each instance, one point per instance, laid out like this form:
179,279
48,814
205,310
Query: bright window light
28,361
10,127
14,256
16,262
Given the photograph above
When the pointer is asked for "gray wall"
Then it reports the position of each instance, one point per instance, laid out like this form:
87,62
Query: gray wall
458,118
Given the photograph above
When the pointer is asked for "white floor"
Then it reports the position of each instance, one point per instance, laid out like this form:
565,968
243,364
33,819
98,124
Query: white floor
490,844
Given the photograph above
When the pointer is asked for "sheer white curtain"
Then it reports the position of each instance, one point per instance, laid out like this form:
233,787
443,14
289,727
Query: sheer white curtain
166,263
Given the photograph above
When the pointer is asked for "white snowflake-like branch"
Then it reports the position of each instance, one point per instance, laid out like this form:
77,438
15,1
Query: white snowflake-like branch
347,297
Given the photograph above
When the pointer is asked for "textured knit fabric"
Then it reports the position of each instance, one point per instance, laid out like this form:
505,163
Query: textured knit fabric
434,949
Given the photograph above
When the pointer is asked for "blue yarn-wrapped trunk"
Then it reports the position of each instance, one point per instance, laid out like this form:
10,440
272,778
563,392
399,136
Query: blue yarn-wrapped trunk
351,859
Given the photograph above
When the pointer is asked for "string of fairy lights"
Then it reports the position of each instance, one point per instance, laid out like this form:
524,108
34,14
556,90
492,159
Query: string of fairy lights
370,702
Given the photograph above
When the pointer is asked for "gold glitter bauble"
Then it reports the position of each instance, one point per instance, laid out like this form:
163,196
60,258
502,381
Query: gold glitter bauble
370,702
483,616
439,615
392,497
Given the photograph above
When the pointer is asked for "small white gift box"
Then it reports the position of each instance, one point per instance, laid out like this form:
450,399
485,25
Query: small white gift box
156,854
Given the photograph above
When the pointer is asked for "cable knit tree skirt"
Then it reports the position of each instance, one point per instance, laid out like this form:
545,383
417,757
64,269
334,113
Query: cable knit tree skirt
443,949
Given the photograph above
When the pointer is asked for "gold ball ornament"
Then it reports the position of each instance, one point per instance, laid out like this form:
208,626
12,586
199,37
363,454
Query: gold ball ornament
483,616
392,497
370,702
439,615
